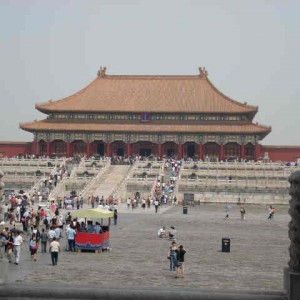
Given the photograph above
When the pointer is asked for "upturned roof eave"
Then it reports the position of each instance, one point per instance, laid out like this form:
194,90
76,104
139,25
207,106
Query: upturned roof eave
261,130
39,107
250,108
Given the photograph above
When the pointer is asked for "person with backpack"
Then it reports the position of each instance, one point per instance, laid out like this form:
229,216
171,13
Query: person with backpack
180,252
46,223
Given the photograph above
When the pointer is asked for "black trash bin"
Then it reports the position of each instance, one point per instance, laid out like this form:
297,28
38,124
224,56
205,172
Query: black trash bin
225,245
185,210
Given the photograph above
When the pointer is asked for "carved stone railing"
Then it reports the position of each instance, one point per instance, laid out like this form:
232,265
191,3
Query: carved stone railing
292,272
294,225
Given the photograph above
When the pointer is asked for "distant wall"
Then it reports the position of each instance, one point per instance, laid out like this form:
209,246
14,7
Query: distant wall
10,149
281,153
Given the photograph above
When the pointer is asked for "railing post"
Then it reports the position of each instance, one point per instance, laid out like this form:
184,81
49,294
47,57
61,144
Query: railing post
291,280
48,148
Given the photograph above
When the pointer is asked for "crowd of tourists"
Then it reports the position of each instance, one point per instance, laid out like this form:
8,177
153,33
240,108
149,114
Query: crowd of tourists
43,225
23,222
163,190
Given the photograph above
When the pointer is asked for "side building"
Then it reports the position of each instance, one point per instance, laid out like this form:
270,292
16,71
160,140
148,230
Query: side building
116,115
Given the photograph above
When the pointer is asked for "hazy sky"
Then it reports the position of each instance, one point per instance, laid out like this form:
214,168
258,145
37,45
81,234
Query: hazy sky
52,48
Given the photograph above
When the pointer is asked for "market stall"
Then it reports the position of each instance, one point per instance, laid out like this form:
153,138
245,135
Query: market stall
93,240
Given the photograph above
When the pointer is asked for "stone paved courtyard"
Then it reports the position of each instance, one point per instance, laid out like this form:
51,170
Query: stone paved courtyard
138,258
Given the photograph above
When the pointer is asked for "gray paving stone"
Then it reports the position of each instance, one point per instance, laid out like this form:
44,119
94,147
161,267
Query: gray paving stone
138,258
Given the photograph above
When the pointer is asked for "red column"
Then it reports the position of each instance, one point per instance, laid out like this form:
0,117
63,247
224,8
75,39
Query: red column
222,151
159,153
68,149
34,147
88,149
48,149
128,149
180,152
242,151
108,149
200,151
257,151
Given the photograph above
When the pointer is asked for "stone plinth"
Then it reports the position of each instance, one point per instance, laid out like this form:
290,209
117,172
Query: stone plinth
291,284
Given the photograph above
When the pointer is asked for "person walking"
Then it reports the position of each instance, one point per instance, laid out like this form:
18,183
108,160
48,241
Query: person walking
115,217
180,252
54,249
128,202
33,246
173,256
10,246
243,212
270,212
18,241
156,204
44,239
2,245
71,238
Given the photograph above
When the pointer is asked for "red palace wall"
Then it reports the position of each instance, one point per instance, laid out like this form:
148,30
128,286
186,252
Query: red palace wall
11,149
275,153
281,153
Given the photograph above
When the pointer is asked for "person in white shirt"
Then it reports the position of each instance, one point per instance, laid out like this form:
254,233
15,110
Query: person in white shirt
128,202
156,203
51,234
54,248
161,232
18,217
18,241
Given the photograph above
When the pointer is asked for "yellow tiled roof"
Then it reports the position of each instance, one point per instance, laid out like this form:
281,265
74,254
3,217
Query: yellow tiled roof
47,125
166,94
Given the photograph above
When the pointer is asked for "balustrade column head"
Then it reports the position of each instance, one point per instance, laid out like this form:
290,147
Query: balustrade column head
294,224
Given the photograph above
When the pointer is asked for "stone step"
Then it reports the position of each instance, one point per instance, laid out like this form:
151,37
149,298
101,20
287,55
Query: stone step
84,292
111,180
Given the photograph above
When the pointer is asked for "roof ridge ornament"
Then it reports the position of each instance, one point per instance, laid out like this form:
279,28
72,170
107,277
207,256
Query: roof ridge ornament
101,72
203,72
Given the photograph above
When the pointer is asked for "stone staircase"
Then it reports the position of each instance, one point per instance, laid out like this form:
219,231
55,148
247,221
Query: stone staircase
110,180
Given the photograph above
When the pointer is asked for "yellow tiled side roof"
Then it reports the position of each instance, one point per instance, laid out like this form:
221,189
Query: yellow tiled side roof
46,125
165,94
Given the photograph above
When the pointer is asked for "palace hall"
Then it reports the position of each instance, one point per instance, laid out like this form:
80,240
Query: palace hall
128,115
